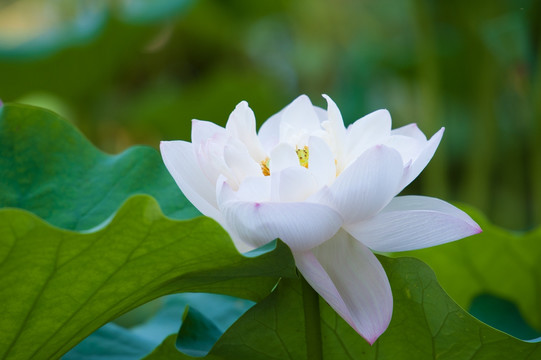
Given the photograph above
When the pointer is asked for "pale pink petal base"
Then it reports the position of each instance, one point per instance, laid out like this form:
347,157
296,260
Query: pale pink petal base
413,222
352,281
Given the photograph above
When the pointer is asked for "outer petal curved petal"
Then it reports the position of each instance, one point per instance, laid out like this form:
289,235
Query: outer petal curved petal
299,121
368,184
335,119
204,130
336,132
321,114
300,114
269,132
409,148
366,132
254,189
179,158
241,125
282,157
414,222
240,163
293,184
352,281
321,161
410,130
224,193
300,225
422,160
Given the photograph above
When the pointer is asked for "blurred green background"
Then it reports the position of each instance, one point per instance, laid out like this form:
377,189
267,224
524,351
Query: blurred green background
137,71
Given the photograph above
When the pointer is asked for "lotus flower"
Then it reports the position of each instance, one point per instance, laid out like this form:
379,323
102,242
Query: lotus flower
327,191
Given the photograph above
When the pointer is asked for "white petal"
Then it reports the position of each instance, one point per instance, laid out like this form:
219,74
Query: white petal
269,132
336,132
241,125
204,130
255,189
366,132
299,120
368,184
209,140
252,189
410,130
321,161
224,194
409,148
302,226
323,196
414,222
179,159
352,281
240,163
209,154
423,158
321,114
293,184
282,157
334,115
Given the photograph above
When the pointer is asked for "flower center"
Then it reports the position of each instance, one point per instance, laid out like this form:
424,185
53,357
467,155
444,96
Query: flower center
303,155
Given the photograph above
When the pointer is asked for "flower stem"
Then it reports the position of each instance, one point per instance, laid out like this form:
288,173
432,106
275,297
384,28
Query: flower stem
312,321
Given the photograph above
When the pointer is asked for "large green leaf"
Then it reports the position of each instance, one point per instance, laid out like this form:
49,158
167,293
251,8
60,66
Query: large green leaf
47,167
495,262
426,324
57,286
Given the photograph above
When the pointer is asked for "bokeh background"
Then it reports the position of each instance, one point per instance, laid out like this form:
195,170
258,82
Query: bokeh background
131,72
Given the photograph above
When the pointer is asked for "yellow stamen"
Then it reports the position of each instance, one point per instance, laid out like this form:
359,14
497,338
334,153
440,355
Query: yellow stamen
303,155
265,167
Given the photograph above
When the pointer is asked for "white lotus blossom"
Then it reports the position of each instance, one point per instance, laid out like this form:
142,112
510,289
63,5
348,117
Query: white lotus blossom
327,191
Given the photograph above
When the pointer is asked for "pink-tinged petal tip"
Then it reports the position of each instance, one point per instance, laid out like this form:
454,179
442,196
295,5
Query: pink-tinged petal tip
352,281
414,222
